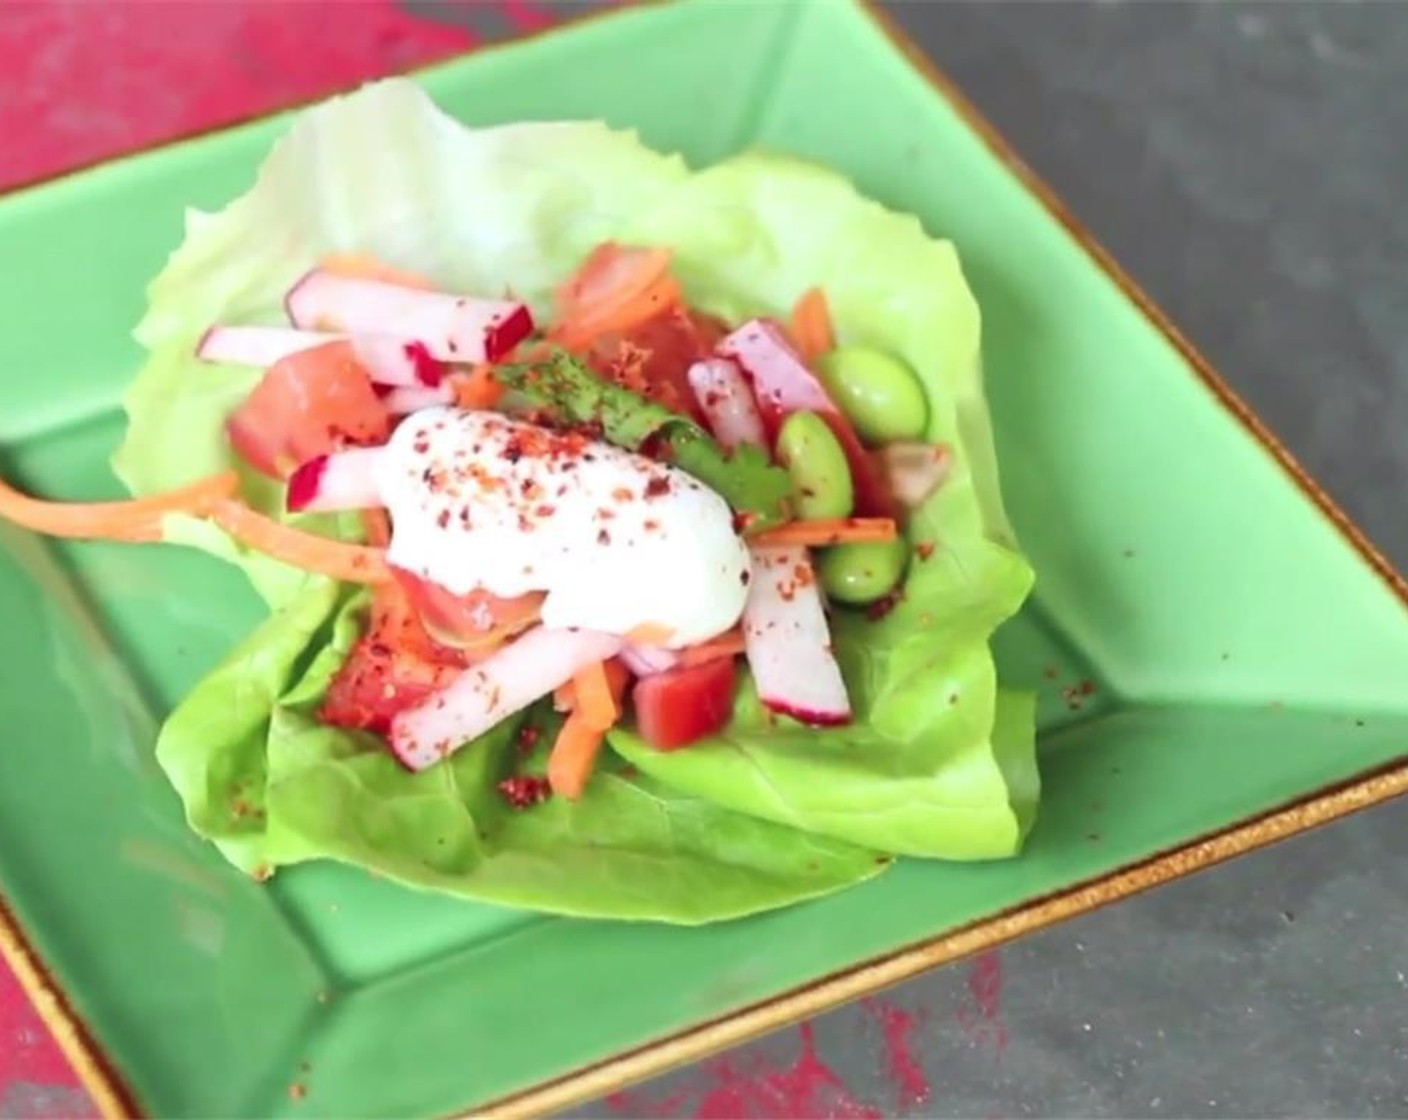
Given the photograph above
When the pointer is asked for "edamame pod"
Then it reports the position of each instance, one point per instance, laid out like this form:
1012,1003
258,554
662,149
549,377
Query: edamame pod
880,394
862,573
821,476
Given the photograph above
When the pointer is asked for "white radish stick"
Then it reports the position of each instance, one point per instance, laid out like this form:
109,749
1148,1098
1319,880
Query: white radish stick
451,328
405,399
785,635
388,360
915,470
788,643
343,480
507,682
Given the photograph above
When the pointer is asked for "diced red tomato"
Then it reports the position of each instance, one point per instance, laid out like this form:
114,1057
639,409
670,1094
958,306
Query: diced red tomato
654,358
308,404
679,706
396,665
467,620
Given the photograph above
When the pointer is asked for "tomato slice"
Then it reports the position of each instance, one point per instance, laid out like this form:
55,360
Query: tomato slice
309,403
653,359
467,621
395,665
679,706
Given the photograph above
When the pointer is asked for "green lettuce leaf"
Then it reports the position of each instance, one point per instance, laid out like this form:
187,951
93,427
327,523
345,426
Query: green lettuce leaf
934,765
746,478
270,785
939,761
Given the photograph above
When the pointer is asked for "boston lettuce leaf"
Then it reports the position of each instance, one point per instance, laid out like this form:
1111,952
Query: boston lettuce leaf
939,762
270,785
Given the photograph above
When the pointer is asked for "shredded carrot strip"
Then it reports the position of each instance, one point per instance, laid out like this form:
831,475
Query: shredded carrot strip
352,563
640,289
824,532
135,520
811,325
727,644
595,702
564,697
360,266
477,389
573,757
377,525
650,634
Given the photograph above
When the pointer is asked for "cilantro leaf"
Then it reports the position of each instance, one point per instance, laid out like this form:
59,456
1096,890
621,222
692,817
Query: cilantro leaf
745,478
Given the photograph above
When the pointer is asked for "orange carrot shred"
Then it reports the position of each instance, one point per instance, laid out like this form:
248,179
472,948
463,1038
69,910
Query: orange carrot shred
477,389
360,266
811,325
573,757
595,702
138,519
614,291
377,526
827,531
352,563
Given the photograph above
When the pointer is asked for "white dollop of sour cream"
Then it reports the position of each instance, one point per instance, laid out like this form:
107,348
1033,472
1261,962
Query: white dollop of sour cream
616,540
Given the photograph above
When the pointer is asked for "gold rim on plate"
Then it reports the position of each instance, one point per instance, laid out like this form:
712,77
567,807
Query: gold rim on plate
99,1074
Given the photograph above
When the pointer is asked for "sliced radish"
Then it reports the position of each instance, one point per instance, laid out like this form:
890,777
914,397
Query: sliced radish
388,360
405,399
507,682
915,470
788,643
646,661
257,346
451,328
726,399
343,480
782,385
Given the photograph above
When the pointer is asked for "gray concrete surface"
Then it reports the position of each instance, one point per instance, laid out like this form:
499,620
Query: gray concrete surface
1249,165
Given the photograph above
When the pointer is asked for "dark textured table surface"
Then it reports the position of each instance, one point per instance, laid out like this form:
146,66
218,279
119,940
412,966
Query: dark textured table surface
1248,164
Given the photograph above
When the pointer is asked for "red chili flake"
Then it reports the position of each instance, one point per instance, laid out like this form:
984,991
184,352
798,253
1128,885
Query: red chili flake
623,494
657,487
464,516
523,791
421,445
802,573
495,695
605,514
788,591
530,489
744,577
651,525
603,537
881,607
443,518
545,510
528,736
297,1091
924,549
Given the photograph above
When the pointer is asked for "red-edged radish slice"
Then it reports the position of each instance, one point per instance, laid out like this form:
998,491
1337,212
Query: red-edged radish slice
257,346
787,641
341,481
785,635
915,470
507,682
726,399
646,661
451,328
782,385
405,399
387,360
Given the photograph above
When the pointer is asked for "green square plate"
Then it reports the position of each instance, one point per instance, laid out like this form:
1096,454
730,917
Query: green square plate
1223,659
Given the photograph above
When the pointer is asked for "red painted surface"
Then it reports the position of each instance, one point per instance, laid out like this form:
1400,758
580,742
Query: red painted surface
84,81
982,1018
903,1067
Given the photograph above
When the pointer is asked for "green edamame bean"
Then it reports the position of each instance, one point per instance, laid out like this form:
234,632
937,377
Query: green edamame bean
862,573
881,395
821,477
